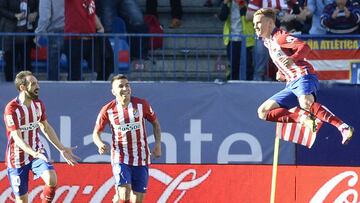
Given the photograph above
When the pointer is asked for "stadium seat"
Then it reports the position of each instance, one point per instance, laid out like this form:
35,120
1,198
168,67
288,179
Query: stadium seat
119,26
121,54
38,57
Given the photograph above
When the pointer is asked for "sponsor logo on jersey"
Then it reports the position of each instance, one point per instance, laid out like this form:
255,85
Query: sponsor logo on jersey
129,127
136,113
31,126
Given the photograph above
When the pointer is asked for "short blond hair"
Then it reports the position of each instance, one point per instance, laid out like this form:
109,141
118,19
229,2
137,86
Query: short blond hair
267,12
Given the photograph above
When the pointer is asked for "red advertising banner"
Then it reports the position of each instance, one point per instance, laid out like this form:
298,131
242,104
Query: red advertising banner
332,58
203,183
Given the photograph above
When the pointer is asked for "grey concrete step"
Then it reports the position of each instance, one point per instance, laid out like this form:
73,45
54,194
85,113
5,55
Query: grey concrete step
194,23
184,3
203,53
177,76
193,43
213,64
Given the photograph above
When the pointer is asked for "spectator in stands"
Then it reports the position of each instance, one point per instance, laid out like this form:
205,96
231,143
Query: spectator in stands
80,18
51,20
233,13
105,10
17,16
260,51
341,17
314,9
130,11
176,11
297,20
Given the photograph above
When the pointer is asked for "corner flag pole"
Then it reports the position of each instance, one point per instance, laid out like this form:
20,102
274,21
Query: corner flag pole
274,170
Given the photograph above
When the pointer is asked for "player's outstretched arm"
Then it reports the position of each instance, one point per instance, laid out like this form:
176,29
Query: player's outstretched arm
157,134
102,147
65,152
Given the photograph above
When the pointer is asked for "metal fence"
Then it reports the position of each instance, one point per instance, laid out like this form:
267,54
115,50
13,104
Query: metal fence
155,57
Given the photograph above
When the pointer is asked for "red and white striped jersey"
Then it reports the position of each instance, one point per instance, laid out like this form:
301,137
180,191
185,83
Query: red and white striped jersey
255,5
297,133
129,137
26,119
281,43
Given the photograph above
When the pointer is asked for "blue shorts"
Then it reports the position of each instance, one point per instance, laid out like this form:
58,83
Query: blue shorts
19,177
137,176
305,85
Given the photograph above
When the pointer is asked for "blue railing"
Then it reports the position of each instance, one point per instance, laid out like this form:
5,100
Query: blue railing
184,57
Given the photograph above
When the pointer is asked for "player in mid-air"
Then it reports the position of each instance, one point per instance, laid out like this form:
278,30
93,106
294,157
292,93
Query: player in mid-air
130,155
288,54
24,116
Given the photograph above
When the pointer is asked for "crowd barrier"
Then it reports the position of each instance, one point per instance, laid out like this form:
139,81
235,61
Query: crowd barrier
180,57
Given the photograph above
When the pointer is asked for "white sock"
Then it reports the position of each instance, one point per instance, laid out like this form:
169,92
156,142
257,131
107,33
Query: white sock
342,126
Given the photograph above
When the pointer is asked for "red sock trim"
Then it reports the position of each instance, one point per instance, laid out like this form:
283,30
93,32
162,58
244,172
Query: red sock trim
49,194
124,201
282,115
324,114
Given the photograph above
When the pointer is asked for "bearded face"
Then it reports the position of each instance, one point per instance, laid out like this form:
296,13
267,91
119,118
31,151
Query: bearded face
32,89
32,94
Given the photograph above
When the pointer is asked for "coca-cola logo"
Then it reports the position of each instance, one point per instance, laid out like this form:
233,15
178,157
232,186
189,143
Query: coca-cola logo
176,183
77,192
325,190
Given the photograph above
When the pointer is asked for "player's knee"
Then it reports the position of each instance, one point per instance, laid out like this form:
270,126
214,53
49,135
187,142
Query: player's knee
22,198
261,113
124,192
306,104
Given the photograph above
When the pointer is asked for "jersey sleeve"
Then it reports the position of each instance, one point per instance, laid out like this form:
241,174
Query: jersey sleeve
11,119
299,49
102,120
149,114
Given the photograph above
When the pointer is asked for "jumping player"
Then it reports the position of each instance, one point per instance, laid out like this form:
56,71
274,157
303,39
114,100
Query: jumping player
130,155
288,54
24,116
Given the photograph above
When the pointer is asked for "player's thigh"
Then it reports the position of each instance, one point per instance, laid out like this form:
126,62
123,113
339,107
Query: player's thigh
49,177
267,106
19,180
305,101
122,174
45,170
305,88
140,178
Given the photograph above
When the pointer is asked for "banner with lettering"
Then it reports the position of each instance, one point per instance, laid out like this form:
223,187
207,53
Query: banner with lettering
205,123
202,183
334,58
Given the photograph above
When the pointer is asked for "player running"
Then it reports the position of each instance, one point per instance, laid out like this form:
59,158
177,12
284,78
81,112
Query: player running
24,116
130,155
288,54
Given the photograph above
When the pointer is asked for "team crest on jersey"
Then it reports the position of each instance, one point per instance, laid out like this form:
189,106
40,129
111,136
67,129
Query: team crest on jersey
136,113
37,112
290,39
9,120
